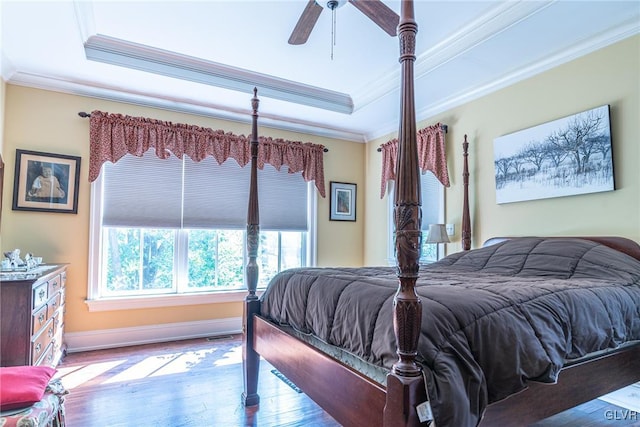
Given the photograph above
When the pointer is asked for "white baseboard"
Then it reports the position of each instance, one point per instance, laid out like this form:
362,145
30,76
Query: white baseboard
122,337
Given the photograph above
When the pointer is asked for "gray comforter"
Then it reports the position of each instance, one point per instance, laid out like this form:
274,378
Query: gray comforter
492,319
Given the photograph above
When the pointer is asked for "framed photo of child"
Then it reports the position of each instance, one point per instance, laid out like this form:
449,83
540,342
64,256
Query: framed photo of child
46,182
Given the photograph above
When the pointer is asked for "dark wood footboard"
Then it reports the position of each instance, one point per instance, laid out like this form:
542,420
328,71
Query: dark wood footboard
355,400
577,384
351,398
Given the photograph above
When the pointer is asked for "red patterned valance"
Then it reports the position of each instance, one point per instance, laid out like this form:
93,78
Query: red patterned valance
114,135
431,154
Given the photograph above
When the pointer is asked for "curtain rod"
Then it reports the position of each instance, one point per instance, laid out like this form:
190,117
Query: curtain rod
445,129
86,115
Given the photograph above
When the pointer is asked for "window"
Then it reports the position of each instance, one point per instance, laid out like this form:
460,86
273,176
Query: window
169,227
432,192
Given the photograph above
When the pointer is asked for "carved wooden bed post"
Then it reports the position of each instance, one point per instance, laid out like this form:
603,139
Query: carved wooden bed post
404,383
466,221
250,358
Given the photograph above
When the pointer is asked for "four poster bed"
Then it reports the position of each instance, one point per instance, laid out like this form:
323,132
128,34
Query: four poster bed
510,333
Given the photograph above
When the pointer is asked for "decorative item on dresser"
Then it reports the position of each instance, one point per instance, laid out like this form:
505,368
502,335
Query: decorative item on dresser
32,317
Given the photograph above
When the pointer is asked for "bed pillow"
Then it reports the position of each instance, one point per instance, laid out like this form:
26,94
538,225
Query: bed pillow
22,386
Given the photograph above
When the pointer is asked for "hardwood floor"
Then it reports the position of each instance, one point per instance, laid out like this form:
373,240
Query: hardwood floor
195,383
198,383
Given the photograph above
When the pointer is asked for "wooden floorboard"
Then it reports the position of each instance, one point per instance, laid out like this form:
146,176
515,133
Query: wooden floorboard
198,383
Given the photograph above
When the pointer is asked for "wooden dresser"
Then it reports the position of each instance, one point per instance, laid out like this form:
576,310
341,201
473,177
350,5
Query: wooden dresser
32,316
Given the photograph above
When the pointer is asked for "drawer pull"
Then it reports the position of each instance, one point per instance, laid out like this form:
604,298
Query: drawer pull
42,293
55,303
41,318
38,348
50,332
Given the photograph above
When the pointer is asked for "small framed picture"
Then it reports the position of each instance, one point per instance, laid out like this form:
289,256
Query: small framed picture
343,201
46,182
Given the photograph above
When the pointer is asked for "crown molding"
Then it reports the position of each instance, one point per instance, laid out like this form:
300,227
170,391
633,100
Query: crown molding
180,105
85,18
630,28
6,67
626,30
110,50
476,32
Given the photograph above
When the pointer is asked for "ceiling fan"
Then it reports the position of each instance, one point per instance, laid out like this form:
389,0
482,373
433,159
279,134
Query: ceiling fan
377,11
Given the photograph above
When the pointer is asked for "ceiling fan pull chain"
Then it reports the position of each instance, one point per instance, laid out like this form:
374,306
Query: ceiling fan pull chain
333,30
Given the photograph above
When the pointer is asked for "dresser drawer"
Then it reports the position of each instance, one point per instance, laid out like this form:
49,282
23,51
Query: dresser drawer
40,317
40,295
54,284
57,322
53,304
59,330
42,340
58,339
46,359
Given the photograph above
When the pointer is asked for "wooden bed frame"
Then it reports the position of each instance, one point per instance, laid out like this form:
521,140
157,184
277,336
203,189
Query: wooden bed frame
347,395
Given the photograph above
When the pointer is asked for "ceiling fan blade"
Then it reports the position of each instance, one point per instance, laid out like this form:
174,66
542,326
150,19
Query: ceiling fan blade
305,24
379,13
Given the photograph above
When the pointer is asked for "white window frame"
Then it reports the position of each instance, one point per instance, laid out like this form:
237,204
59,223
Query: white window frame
391,257
96,303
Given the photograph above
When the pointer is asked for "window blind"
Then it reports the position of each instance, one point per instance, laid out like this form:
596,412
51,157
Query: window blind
155,193
431,200
141,192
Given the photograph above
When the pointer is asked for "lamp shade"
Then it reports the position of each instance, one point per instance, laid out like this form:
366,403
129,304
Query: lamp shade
437,234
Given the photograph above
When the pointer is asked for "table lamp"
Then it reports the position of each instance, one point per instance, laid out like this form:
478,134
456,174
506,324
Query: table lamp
437,234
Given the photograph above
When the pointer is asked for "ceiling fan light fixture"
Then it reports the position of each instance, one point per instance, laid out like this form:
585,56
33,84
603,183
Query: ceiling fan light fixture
334,4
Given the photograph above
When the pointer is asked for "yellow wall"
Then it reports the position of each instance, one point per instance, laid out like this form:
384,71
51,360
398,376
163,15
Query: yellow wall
47,121
609,76
340,243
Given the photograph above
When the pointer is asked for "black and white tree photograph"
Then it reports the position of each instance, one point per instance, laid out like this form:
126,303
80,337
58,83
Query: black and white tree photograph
564,157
